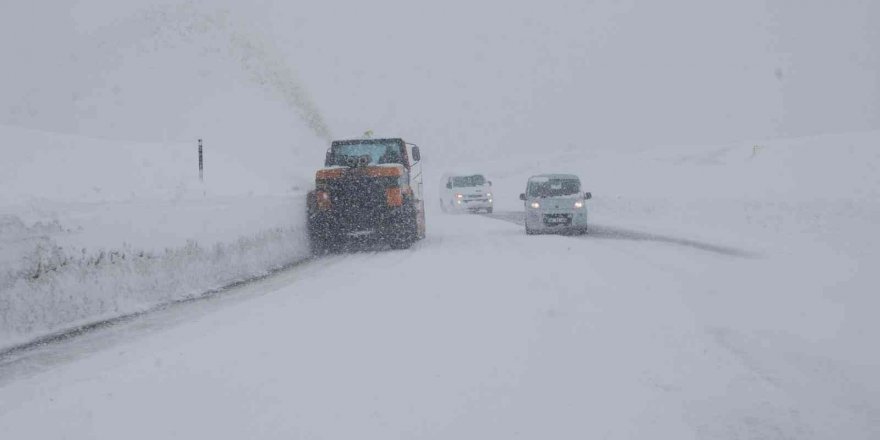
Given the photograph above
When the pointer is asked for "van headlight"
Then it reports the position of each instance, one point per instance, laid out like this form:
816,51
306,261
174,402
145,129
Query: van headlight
535,205
579,204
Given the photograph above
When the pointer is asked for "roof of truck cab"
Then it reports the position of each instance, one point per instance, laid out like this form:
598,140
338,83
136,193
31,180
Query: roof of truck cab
367,141
555,176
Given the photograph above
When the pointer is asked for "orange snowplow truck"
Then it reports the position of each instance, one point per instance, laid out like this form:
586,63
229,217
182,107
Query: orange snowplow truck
369,189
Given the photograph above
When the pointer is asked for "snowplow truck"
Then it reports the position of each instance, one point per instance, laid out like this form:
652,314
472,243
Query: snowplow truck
369,189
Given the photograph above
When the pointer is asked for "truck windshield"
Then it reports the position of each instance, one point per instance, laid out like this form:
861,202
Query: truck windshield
553,187
369,153
468,181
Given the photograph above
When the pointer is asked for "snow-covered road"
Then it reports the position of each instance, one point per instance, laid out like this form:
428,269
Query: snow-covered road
477,332
618,233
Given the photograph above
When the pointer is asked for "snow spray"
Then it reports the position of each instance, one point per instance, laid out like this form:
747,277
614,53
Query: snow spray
215,33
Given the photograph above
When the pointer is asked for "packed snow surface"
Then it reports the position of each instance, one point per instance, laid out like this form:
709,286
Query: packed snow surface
726,290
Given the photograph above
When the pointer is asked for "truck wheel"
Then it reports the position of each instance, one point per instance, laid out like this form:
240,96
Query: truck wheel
321,240
529,231
488,210
318,245
403,240
406,235
400,244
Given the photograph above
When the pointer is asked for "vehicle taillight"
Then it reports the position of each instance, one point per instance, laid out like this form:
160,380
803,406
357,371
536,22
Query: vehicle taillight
394,196
323,198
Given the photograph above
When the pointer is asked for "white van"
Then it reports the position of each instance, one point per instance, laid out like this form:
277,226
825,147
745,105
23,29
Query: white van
555,203
465,192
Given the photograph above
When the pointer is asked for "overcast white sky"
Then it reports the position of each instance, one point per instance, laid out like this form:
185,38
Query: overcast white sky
459,74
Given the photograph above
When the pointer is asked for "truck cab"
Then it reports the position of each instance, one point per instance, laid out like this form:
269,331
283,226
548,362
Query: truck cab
368,188
466,193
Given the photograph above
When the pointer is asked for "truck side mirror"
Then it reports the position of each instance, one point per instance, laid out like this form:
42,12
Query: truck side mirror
449,185
490,182
416,155
588,196
328,159
522,196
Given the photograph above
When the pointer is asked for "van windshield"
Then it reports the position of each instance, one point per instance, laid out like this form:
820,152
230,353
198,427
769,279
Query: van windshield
548,187
468,181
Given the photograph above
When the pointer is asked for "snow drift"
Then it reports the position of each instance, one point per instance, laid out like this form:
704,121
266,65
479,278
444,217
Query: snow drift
96,228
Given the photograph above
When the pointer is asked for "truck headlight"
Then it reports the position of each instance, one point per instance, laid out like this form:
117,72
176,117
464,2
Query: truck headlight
535,205
489,195
459,196
579,204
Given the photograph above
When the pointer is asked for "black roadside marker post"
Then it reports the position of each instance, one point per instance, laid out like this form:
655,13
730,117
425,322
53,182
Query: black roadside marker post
201,163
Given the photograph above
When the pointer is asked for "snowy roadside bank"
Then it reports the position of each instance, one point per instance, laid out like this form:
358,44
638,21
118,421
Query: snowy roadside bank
93,229
54,286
